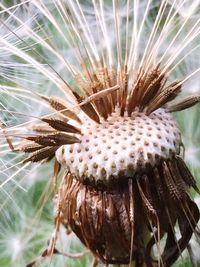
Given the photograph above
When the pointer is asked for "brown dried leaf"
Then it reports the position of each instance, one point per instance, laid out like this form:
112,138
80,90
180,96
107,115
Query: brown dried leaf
29,147
171,186
62,126
168,94
55,139
184,103
88,108
59,105
41,154
186,174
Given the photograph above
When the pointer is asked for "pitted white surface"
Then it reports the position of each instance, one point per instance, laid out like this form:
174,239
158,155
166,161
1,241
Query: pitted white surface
121,144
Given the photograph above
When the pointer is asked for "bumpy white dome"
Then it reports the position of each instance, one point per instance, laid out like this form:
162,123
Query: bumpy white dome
121,145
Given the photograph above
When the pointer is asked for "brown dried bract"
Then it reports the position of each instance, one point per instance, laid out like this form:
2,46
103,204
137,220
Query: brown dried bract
124,221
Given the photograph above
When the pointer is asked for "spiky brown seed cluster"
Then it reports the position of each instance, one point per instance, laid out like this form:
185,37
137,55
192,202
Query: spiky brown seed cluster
125,185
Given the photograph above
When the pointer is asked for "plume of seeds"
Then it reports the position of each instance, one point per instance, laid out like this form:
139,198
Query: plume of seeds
125,185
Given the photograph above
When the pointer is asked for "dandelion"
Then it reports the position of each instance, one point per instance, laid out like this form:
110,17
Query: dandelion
106,77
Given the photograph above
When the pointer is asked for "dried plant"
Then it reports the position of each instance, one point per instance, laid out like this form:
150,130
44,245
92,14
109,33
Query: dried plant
106,77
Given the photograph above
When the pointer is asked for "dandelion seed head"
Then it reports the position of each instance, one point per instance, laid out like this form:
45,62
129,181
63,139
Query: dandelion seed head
75,50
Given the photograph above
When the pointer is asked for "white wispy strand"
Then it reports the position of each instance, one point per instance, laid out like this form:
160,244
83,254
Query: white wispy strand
104,31
46,46
38,39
